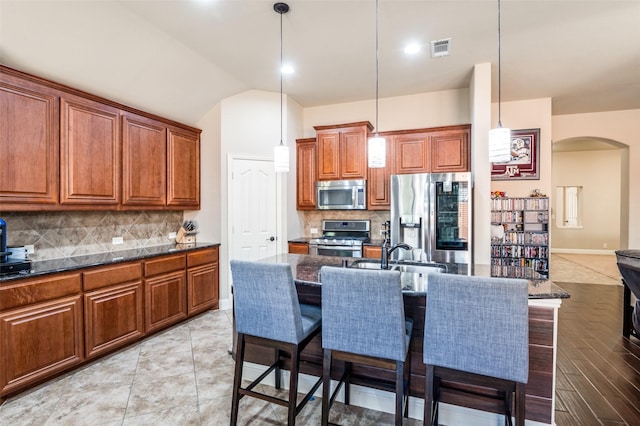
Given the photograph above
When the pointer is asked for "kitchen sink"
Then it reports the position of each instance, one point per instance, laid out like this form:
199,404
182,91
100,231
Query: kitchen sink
416,268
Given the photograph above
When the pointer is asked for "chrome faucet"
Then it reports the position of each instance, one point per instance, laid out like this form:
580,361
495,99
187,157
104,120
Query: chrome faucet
386,250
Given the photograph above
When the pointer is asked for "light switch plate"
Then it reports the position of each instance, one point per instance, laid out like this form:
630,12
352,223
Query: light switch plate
117,240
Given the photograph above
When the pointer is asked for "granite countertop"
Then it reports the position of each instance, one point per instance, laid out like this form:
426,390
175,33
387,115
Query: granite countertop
304,240
306,270
44,267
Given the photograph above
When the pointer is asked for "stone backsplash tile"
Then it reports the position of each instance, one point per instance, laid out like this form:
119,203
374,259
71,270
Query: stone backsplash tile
63,234
314,218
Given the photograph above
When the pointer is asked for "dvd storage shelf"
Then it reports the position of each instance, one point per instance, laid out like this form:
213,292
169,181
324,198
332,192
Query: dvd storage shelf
520,240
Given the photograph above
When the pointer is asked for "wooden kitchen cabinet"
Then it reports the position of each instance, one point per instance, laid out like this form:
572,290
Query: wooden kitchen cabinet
372,252
65,149
144,161
299,248
202,280
29,146
412,153
89,152
41,329
183,169
165,291
113,306
450,150
306,174
379,180
342,151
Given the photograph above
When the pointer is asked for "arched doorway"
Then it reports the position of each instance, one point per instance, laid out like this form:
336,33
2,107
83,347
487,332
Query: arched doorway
598,169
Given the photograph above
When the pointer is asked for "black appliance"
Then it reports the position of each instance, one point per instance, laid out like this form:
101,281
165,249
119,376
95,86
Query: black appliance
9,266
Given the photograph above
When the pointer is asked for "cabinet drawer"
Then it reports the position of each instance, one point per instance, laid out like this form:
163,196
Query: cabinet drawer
109,275
39,290
202,257
164,264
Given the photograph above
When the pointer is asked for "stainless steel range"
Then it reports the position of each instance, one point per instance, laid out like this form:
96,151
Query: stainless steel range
341,238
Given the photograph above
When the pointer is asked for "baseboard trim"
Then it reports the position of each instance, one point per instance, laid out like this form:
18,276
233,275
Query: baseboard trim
581,251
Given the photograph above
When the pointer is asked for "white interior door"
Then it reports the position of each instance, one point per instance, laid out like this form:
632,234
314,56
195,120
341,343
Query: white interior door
253,206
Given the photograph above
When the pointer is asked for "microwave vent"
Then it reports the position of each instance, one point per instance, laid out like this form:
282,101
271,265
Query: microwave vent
440,47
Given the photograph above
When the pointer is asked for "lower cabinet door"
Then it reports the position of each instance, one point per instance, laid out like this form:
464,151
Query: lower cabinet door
203,288
165,300
39,341
113,317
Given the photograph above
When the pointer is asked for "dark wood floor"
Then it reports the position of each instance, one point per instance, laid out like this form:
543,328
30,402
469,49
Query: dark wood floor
598,374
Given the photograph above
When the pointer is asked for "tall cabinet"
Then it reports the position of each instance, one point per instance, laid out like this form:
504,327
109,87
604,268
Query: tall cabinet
520,237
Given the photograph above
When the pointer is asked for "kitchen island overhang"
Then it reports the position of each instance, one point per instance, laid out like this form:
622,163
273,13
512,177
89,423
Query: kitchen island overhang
545,299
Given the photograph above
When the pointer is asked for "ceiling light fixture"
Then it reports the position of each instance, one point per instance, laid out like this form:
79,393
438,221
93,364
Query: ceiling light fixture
412,49
281,152
500,137
376,146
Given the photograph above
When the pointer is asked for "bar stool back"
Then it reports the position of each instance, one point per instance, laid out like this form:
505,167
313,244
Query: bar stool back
268,313
476,332
364,323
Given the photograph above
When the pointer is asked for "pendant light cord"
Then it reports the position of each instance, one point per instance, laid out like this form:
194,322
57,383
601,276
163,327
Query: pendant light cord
376,67
281,79
499,71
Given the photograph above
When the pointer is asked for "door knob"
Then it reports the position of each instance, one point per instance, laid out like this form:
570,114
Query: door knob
272,238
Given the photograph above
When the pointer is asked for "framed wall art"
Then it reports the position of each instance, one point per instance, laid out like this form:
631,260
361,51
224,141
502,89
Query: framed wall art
524,163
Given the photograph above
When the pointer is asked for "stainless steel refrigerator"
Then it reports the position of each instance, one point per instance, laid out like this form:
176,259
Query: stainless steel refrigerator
432,212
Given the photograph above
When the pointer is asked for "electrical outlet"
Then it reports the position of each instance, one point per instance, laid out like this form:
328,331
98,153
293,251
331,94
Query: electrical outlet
30,249
313,231
605,245
173,235
382,232
117,240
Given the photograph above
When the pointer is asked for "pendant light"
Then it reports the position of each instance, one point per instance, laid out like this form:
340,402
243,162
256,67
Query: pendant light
500,137
376,146
281,152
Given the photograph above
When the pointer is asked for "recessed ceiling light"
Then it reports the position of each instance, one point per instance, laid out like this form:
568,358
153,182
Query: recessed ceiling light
287,69
412,48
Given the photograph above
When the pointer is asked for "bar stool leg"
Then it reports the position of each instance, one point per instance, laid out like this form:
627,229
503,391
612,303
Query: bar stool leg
237,379
326,386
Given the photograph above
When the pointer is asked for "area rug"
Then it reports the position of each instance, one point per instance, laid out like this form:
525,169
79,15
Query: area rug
584,268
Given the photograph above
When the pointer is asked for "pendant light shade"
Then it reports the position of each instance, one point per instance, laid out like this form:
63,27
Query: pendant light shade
500,137
281,151
377,145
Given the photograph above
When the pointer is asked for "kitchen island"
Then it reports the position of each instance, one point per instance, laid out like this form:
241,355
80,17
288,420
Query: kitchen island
544,300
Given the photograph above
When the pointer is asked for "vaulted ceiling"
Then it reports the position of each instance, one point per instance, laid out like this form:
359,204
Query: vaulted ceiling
179,58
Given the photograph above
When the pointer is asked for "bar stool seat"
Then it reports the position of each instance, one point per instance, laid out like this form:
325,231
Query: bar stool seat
476,332
363,322
267,313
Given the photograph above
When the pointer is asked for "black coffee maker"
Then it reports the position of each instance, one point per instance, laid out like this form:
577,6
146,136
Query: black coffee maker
3,241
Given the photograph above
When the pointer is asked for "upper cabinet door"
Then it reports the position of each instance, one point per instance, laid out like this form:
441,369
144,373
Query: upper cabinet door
328,154
183,169
90,153
306,174
29,144
412,153
450,150
144,161
353,153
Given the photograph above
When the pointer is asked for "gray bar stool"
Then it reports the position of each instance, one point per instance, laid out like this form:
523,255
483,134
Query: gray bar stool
268,313
476,332
363,322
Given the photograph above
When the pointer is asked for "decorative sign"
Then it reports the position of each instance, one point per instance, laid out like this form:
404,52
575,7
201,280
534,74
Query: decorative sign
525,148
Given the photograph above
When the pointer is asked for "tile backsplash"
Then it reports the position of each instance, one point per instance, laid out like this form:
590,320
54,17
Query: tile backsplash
63,234
313,219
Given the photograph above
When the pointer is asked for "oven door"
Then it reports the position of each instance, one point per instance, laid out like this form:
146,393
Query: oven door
340,251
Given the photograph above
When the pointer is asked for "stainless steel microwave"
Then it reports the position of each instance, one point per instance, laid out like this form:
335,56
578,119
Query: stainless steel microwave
341,195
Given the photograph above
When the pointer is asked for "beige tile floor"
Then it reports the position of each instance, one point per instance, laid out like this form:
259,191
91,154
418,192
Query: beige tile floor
184,376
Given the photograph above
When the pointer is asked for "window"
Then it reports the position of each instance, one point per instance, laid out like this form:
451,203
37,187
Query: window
569,207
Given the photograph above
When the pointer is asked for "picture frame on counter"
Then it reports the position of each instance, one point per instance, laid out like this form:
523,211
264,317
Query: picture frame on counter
524,163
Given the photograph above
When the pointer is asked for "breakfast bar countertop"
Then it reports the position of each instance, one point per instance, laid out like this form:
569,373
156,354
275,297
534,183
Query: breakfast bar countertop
306,270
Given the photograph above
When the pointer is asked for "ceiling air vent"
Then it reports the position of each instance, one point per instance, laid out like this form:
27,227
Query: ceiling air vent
440,47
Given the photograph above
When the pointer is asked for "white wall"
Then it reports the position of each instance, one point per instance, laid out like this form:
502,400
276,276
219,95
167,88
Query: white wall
598,173
620,126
